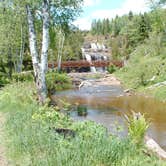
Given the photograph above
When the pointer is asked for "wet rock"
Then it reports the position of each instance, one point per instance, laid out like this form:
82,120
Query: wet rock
65,132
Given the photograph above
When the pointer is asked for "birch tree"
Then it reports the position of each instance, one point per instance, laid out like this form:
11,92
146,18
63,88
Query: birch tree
39,64
55,12
64,9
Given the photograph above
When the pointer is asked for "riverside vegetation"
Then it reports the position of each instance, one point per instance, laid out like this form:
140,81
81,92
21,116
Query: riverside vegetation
32,140
139,40
31,136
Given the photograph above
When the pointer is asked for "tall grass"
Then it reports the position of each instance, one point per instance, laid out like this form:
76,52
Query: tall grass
137,127
146,67
32,141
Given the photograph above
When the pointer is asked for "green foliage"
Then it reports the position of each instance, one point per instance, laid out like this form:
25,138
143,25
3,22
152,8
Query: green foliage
25,76
13,38
137,127
14,31
3,79
31,141
81,110
52,117
146,66
57,81
111,69
72,45
158,92
16,77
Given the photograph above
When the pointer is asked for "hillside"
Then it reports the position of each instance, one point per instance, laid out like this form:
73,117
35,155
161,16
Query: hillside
140,40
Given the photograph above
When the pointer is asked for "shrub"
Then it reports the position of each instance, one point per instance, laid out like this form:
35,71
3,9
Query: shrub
82,110
57,81
111,69
24,76
137,126
3,79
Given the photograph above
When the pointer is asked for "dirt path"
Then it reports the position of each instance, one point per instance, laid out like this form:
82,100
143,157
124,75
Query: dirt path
3,159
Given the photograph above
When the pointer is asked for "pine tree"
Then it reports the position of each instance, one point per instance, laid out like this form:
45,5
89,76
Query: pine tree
130,15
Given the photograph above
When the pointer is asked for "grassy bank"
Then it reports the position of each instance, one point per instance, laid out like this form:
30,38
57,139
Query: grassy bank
31,139
146,68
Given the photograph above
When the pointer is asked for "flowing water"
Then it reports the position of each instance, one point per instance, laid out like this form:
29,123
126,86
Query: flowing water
95,54
107,105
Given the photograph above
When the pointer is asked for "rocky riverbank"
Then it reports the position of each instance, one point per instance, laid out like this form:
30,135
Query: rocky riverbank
97,78
80,80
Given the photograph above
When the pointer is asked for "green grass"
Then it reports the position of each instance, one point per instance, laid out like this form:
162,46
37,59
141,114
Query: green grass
137,127
30,139
58,81
146,67
158,92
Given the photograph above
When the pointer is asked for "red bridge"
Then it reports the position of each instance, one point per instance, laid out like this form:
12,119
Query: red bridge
83,63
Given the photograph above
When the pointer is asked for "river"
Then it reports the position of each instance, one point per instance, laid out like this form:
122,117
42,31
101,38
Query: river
107,104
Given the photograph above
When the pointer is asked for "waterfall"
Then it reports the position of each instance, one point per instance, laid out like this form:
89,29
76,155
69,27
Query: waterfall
99,46
99,57
89,59
95,53
94,47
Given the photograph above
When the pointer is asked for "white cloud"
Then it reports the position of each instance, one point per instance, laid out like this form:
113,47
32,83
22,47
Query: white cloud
136,6
83,23
91,2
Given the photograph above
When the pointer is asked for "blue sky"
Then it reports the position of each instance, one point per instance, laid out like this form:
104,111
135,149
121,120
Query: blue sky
100,9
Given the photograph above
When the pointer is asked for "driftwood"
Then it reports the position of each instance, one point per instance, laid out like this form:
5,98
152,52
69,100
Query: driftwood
153,147
157,85
81,84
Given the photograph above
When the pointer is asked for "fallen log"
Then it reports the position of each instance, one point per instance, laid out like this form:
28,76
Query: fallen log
157,85
155,148
82,84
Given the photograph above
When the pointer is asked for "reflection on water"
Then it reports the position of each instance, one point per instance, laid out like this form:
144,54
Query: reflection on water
105,107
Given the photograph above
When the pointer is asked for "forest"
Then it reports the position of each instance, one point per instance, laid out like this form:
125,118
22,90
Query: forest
111,116
140,41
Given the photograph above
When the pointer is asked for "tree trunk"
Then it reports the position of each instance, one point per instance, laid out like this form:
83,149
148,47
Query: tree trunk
152,146
45,45
10,64
60,48
39,68
20,58
32,41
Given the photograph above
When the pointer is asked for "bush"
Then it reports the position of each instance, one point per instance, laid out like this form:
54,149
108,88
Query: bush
57,81
111,69
137,126
82,110
24,76
3,79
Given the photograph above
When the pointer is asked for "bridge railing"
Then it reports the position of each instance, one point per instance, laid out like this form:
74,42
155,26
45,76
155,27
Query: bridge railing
84,63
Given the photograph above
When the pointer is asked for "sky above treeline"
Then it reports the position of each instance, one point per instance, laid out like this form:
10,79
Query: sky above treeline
100,9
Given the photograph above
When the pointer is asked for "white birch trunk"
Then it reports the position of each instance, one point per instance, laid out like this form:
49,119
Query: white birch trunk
45,46
20,58
61,43
39,67
32,41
